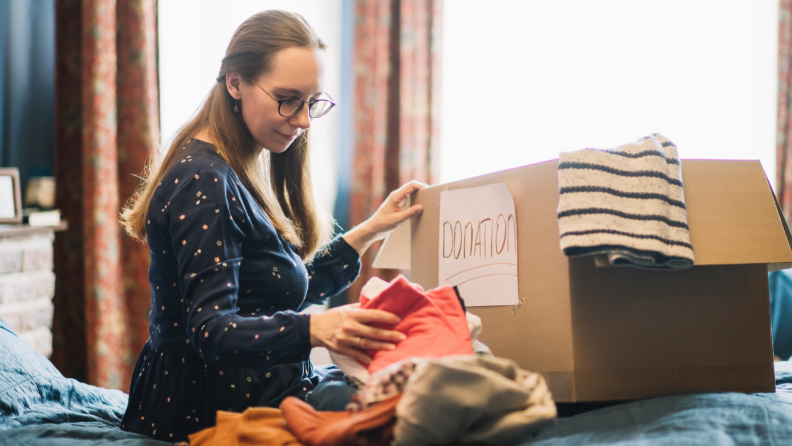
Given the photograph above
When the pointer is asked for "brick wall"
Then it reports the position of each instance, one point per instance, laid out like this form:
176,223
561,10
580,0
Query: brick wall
27,284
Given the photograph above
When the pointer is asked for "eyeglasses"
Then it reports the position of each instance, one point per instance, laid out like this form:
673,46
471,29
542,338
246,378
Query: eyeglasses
291,106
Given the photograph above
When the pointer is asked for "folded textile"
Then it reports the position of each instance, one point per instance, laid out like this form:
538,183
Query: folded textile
370,427
626,203
254,426
470,399
434,322
384,384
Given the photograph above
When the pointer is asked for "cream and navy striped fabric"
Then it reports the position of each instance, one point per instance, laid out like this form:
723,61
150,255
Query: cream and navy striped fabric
626,203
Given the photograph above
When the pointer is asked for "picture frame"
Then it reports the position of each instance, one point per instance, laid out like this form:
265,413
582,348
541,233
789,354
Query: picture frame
10,196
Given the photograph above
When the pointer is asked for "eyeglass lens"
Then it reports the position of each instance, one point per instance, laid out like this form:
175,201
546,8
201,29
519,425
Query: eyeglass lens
292,105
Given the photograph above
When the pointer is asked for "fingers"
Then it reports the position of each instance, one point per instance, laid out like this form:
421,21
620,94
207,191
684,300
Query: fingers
356,354
367,337
370,344
407,189
413,211
376,317
357,346
347,330
379,338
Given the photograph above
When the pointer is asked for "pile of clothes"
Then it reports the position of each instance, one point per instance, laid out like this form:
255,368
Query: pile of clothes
432,389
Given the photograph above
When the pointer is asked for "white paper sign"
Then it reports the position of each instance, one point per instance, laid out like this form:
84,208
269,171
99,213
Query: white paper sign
478,244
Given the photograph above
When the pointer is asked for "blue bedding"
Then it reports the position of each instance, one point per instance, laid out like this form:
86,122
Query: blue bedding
38,406
699,419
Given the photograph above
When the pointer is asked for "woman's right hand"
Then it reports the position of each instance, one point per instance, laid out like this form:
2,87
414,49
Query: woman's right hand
346,330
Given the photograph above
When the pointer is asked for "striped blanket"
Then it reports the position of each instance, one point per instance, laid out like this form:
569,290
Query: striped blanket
626,203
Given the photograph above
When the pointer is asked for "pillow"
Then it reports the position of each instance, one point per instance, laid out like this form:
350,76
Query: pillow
33,391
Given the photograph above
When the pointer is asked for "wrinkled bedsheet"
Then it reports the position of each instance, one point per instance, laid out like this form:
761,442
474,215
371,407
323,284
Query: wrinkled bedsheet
39,407
698,419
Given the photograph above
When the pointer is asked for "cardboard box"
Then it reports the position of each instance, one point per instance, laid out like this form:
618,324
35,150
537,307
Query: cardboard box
605,333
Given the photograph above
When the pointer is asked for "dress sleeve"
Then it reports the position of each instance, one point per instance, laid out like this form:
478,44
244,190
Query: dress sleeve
207,222
332,270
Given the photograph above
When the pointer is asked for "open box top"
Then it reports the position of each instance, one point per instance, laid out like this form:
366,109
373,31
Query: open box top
733,215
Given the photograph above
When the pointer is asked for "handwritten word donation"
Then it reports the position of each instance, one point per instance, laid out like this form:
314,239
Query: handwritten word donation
478,244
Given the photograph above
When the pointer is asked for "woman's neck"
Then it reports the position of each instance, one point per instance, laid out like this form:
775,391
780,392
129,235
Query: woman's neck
204,136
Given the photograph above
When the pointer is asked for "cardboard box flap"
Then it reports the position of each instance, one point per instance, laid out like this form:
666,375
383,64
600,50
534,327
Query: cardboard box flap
779,266
732,214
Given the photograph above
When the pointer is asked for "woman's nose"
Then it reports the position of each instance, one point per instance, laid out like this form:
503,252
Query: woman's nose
301,119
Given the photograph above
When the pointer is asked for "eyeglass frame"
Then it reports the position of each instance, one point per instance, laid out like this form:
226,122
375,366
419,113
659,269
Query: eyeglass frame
299,109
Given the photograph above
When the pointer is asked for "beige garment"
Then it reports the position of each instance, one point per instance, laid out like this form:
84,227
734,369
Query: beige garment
471,398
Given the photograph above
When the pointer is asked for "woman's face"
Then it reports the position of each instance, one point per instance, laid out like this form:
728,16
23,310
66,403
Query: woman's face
295,72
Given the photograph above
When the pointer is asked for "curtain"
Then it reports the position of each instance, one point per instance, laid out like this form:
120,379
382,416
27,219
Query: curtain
784,118
396,117
106,126
27,80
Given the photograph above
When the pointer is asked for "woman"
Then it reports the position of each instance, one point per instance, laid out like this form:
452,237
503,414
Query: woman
229,218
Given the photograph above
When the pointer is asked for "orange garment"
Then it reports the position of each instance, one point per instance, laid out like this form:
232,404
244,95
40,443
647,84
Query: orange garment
370,427
434,321
254,426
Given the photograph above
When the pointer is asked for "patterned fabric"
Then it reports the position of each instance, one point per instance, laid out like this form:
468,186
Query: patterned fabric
225,286
106,126
626,203
384,384
784,117
397,95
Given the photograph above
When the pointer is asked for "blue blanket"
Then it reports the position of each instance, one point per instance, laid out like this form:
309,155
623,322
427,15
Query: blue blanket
38,406
698,419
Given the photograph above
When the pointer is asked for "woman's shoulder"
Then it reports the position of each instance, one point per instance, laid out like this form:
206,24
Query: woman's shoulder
198,155
196,162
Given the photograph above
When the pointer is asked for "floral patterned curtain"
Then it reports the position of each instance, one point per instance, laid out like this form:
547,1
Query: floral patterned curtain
397,94
784,118
107,124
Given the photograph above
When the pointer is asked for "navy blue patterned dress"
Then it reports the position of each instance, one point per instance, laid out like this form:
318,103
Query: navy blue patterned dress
225,288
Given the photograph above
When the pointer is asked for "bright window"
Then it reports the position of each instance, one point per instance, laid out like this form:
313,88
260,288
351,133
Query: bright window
525,80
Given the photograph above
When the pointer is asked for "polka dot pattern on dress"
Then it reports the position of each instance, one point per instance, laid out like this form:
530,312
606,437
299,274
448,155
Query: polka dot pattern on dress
204,212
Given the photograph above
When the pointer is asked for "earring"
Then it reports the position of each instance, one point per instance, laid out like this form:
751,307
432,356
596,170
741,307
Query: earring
236,107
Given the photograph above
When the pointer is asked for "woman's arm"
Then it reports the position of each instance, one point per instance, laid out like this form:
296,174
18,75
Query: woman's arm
390,215
349,330
337,266
331,271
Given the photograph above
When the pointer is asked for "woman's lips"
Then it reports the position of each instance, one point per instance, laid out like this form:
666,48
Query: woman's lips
287,137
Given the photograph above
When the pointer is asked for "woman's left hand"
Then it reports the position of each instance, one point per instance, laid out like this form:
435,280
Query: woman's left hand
390,215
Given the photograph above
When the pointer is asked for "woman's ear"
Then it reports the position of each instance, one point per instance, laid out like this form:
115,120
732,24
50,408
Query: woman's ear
233,81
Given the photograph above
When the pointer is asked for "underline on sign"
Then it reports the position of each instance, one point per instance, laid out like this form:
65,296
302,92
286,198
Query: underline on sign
487,275
482,266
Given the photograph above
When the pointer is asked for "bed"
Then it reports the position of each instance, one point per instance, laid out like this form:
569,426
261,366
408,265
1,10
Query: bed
38,406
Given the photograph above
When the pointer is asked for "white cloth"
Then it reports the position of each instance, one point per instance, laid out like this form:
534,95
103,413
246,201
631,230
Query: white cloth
627,203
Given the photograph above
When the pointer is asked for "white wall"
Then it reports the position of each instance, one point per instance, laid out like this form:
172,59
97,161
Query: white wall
193,36
572,74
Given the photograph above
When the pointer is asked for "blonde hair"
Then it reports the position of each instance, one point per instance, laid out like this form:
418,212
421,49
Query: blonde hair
280,183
